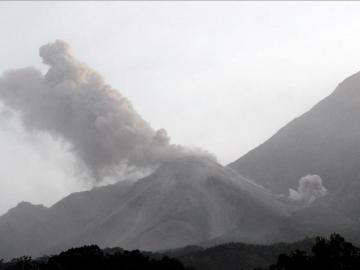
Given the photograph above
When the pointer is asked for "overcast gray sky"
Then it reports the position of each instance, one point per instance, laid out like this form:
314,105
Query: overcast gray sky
223,76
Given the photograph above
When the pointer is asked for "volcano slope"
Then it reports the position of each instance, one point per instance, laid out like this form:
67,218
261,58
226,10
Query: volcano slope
186,201
323,141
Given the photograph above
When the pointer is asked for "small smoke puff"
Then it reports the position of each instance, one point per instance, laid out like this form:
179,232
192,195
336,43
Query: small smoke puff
162,137
72,102
310,188
56,53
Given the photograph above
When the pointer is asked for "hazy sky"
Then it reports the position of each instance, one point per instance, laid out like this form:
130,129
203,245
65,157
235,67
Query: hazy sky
223,76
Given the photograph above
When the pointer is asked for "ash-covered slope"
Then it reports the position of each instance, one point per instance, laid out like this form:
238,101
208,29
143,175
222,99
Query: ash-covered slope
186,201
189,201
324,141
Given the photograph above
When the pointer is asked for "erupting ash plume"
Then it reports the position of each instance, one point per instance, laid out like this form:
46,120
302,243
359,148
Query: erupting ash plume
72,102
310,187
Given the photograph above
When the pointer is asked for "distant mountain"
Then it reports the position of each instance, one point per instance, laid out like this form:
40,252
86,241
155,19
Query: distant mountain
186,201
324,141
31,229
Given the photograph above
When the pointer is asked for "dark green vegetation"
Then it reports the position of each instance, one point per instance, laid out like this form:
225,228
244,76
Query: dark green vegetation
92,257
235,256
330,254
320,253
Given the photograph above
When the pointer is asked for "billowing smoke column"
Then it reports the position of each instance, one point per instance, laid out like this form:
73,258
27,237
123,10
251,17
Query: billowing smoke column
72,102
310,187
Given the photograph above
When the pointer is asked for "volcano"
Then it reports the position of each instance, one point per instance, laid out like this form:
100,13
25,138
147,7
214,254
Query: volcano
186,201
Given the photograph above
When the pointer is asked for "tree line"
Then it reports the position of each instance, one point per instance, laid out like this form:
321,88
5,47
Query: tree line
329,254
93,258
333,253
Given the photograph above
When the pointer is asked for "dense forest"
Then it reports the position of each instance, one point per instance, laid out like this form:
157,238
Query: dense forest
236,256
334,253
92,257
330,254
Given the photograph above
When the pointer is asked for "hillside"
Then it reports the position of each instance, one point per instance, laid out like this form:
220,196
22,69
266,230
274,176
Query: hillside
323,141
233,256
185,201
